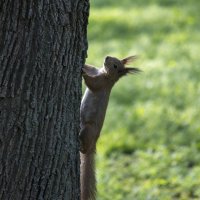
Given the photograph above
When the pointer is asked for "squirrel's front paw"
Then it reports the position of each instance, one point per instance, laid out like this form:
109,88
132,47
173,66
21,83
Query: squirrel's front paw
83,72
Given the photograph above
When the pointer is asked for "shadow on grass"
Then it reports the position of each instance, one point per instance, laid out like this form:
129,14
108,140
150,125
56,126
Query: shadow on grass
128,3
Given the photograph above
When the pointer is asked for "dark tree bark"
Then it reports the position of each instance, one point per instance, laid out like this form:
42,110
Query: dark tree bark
42,49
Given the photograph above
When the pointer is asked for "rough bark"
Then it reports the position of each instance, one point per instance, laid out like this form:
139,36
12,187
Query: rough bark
42,49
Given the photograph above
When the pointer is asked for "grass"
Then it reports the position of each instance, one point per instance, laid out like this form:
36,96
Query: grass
150,144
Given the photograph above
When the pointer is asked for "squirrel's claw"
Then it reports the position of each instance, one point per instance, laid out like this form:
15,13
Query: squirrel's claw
83,71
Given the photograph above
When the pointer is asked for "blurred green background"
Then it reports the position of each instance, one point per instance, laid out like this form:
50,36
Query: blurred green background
150,144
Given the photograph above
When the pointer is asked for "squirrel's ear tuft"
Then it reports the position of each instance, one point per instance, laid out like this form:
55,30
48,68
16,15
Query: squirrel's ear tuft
129,70
128,60
132,70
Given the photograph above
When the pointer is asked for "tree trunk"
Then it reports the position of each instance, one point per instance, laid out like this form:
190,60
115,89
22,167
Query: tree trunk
42,49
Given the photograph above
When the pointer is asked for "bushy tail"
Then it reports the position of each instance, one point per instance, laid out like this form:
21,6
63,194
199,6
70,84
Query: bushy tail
88,181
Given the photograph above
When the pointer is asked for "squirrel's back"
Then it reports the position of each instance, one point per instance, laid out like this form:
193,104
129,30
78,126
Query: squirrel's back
93,107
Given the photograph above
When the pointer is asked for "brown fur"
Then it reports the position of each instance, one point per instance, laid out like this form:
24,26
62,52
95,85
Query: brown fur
93,109
88,181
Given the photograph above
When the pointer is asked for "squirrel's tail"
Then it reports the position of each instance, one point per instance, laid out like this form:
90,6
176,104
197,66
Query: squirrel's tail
88,181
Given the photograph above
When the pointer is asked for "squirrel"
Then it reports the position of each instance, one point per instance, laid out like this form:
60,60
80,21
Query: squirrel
94,103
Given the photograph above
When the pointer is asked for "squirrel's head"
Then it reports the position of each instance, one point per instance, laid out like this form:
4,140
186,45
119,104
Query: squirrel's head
115,68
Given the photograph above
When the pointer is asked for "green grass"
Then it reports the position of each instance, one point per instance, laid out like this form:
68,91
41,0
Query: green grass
150,144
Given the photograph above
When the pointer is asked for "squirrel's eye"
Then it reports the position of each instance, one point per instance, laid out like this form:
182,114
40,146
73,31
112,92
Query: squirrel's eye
115,66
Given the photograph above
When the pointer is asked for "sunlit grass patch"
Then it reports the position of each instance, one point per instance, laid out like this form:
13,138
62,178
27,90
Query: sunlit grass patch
150,144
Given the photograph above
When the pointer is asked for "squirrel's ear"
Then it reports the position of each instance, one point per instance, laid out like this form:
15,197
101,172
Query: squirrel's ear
128,60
